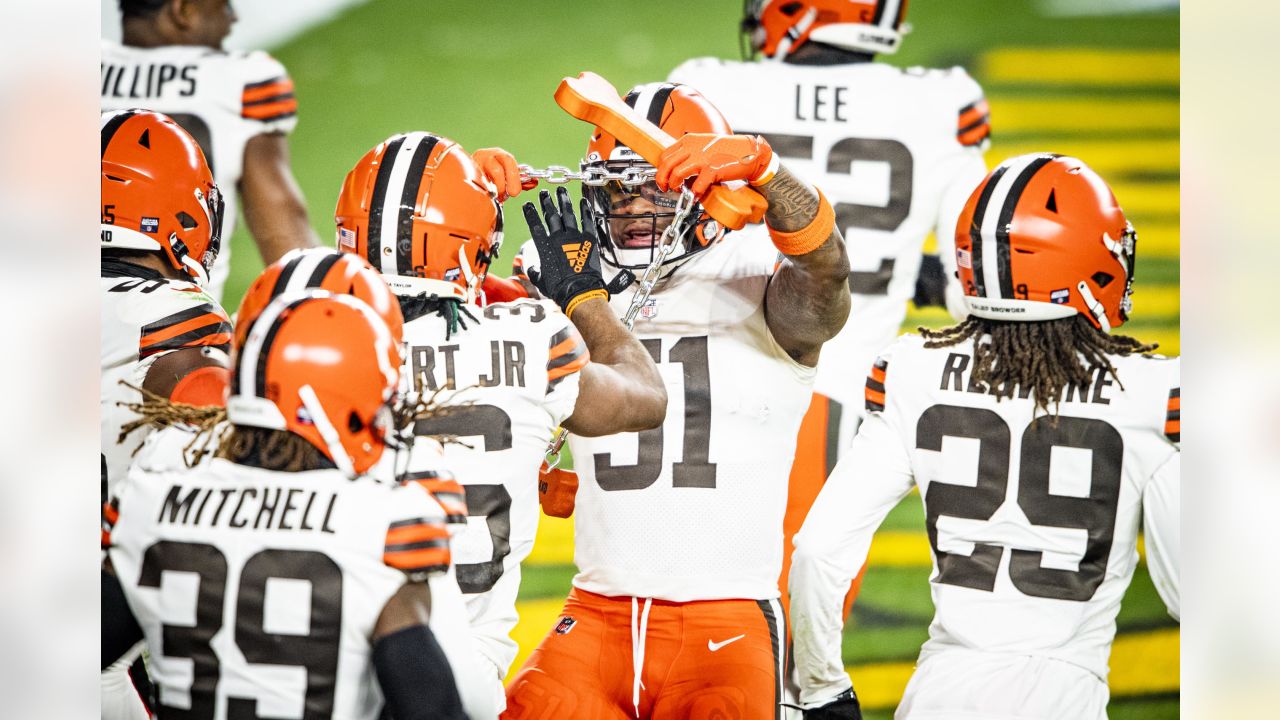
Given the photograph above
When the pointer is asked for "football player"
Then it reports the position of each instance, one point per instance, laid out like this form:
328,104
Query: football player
239,106
897,151
678,532
418,208
161,333
279,579
1040,442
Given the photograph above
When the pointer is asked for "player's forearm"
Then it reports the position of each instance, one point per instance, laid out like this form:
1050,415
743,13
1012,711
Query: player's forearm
808,298
621,388
817,592
278,225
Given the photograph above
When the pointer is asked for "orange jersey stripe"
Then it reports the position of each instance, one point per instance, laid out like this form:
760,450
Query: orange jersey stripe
875,397
1175,403
877,374
973,114
180,328
110,513
416,534
418,560
570,368
270,110
263,92
565,346
106,539
976,135
1173,427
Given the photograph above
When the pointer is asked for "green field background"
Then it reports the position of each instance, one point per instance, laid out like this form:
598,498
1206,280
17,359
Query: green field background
483,73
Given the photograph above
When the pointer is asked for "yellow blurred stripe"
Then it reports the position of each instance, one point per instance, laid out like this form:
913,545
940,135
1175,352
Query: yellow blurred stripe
1162,240
1085,114
537,617
553,544
1141,664
1148,198
1107,157
1063,66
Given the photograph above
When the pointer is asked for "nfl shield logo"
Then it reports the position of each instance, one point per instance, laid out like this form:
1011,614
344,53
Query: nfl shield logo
650,309
565,625
150,224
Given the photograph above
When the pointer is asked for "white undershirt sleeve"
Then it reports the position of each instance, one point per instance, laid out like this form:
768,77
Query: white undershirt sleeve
832,546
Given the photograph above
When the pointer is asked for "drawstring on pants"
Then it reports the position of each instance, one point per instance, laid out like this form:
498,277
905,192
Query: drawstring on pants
638,632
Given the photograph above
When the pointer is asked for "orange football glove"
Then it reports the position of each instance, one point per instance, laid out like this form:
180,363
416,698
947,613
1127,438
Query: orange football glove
556,491
499,166
710,158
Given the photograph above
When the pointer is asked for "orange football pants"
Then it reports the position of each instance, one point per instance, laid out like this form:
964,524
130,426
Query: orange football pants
816,454
700,660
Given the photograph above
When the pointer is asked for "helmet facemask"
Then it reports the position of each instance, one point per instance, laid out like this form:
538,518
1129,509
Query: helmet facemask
631,220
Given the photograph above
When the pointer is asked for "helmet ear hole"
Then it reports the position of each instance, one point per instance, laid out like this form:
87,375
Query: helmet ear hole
186,221
354,423
1102,279
791,8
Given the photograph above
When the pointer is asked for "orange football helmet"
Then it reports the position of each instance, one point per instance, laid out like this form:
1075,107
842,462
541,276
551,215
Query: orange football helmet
158,193
780,27
630,239
324,367
420,211
325,269
1042,237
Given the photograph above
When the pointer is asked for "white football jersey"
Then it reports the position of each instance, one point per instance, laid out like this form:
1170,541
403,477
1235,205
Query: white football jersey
896,152
144,317
692,510
507,380
222,98
258,591
1033,519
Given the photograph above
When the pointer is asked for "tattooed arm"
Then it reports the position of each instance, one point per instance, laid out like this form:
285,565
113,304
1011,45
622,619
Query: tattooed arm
807,301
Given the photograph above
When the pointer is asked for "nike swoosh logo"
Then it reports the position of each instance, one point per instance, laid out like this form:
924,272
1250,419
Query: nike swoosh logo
714,646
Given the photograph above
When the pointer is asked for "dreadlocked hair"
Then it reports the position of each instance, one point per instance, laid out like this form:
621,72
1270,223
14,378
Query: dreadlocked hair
214,436
1040,357
156,411
451,309
278,450
419,406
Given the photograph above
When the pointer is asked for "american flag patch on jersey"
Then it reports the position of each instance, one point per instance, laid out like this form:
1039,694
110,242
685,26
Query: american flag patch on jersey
875,386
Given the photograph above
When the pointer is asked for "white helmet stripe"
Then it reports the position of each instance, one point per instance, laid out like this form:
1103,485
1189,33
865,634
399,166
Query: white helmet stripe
252,354
304,266
391,200
889,13
991,220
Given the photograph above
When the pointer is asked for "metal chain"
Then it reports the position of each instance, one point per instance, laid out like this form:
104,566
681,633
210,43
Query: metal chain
594,176
666,245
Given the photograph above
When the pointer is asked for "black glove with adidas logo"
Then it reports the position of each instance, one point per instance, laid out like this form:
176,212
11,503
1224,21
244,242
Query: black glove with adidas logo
568,269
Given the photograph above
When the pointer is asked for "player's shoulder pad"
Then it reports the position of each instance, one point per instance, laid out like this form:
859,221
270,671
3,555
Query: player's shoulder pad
694,66
266,93
973,113
877,378
179,316
417,538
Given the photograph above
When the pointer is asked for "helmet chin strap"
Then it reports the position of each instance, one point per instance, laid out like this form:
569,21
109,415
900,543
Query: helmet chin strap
330,435
1095,308
473,280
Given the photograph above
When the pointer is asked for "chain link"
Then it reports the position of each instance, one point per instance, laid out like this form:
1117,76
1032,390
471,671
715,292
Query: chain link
593,176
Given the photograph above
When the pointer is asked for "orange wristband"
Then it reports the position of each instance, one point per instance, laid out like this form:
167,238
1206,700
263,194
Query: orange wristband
574,303
810,237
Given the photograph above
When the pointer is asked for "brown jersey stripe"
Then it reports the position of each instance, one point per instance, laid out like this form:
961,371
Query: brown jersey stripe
874,393
218,336
975,111
1173,416
179,328
567,352
555,376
